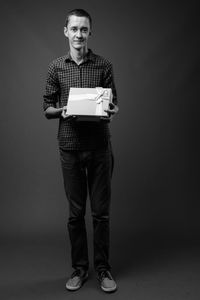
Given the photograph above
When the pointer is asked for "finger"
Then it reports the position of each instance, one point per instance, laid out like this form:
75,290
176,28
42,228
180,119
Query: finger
63,114
105,119
111,105
110,111
70,117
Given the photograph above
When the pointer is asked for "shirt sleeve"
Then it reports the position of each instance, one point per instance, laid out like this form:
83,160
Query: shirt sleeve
109,81
52,92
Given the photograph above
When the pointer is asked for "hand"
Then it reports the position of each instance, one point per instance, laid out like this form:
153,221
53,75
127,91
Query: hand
65,115
113,109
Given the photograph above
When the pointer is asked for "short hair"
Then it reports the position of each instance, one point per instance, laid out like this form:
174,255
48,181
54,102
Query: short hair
79,13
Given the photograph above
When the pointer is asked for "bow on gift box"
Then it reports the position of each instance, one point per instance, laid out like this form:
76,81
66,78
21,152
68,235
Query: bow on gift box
99,99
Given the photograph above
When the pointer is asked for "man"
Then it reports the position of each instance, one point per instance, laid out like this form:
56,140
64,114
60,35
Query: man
85,149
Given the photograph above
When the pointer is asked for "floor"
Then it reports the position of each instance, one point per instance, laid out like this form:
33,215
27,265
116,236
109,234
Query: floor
149,269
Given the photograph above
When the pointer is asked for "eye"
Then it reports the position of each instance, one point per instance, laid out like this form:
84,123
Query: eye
74,29
85,30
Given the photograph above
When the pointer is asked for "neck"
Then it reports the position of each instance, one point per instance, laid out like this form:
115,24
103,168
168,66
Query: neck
78,54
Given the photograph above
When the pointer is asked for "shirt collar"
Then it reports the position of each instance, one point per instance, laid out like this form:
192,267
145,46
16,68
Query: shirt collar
89,56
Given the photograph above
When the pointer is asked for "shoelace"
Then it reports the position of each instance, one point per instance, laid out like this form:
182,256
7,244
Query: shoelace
79,273
76,273
104,274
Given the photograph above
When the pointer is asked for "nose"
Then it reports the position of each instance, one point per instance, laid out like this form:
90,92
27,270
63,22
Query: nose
78,33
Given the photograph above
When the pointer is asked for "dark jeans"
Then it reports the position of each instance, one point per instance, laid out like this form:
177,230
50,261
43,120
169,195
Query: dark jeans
83,172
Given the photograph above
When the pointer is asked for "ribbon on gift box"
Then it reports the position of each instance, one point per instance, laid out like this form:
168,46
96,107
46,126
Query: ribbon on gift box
102,94
99,100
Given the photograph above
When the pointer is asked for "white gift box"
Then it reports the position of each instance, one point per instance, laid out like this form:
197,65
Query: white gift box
90,102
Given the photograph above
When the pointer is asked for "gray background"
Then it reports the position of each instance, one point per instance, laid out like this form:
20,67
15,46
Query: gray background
153,46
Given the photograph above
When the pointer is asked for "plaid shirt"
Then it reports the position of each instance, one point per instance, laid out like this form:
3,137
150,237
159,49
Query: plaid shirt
63,73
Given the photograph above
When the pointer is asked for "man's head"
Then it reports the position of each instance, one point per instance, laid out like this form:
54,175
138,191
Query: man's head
79,13
78,28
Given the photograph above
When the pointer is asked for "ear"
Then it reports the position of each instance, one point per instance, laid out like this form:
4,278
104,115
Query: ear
66,31
90,32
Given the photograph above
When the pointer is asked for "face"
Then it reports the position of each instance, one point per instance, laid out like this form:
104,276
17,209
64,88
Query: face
77,31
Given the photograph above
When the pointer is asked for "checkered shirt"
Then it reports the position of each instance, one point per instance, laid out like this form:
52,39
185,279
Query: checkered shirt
63,73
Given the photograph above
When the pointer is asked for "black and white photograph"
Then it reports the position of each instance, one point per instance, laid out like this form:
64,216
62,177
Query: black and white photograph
99,172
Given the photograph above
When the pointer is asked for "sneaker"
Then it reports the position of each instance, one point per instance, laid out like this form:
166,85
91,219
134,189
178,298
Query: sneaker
107,282
76,280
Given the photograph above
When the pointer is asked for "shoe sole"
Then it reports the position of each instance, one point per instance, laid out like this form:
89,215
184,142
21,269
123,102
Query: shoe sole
69,288
109,290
